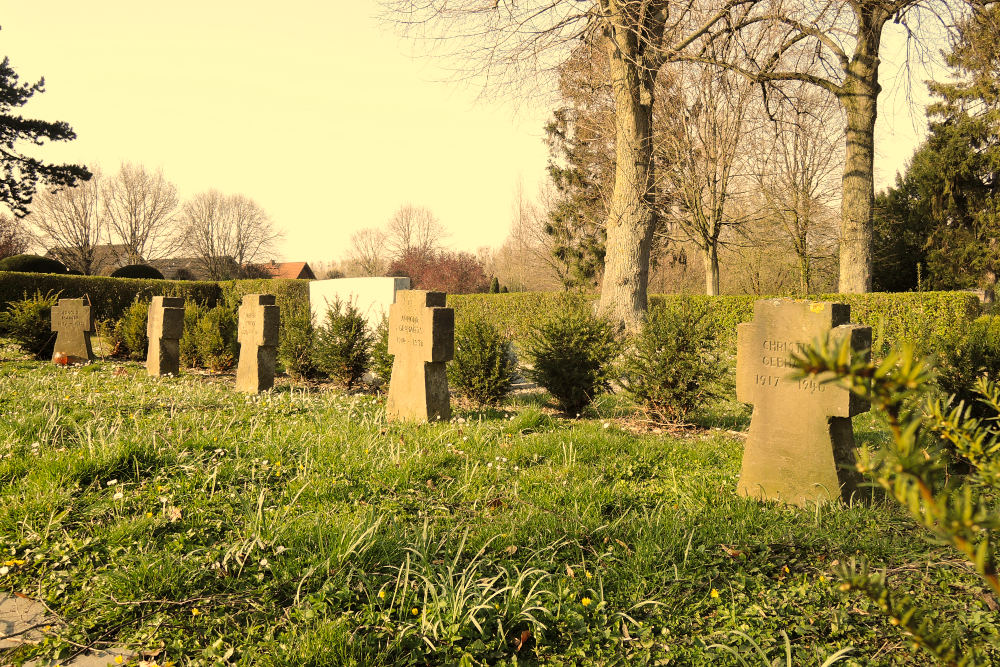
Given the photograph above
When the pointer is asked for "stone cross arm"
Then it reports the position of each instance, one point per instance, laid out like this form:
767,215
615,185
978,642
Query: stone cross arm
166,317
764,367
73,315
259,320
421,328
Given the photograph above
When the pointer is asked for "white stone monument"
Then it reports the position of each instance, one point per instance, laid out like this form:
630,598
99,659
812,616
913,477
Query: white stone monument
371,296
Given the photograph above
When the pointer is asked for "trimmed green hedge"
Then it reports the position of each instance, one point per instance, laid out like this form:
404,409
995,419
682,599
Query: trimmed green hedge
111,296
922,317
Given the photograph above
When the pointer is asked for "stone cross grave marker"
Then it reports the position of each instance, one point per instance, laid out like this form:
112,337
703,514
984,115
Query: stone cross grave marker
73,320
422,338
800,447
258,337
164,328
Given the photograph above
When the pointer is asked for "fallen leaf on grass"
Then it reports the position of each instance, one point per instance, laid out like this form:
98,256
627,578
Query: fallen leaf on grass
525,636
731,552
511,550
174,514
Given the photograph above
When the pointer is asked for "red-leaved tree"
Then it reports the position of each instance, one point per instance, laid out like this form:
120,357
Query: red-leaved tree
441,271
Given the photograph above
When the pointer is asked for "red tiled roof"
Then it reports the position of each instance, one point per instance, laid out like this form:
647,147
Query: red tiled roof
290,270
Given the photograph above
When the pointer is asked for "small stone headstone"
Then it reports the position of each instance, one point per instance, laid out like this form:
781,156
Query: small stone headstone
258,338
164,328
73,321
800,447
422,338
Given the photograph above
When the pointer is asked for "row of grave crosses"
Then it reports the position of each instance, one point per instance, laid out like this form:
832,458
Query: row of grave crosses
422,340
799,449
73,321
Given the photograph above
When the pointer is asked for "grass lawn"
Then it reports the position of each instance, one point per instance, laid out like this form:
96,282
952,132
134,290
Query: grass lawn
178,517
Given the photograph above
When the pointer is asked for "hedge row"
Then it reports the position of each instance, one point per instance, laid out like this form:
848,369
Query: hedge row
922,317
925,318
111,296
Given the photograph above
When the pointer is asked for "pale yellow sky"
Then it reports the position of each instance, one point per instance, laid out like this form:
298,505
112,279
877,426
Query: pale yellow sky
312,108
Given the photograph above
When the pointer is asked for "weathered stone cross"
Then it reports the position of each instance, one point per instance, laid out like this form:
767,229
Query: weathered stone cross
422,338
73,320
800,447
258,337
164,328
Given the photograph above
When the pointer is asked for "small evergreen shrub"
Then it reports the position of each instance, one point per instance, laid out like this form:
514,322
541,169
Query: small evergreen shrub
130,330
32,264
671,366
343,344
571,351
188,347
113,345
137,271
381,361
215,336
29,323
971,352
483,366
297,346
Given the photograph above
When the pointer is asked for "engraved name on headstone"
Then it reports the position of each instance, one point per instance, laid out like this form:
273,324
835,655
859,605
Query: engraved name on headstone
800,447
73,320
164,328
258,338
422,338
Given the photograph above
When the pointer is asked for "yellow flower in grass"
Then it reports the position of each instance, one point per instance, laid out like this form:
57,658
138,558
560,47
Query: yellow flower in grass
414,611
586,602
714,593
119,660
381,594
195,611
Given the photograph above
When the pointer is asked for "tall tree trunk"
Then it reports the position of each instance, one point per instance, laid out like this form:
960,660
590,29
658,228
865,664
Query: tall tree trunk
805,271
710,256
631,216
859,96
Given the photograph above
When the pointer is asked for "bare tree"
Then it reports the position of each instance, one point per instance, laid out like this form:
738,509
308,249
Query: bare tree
516,38
795,170
226,233
704,157
525,261
835,45
70,224
368,252
14,238
139,208
413,228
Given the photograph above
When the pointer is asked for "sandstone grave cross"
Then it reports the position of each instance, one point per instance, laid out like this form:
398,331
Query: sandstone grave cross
800,447
422,338
258,338
164,327
73,320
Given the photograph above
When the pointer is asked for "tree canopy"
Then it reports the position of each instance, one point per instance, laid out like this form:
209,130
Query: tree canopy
20,174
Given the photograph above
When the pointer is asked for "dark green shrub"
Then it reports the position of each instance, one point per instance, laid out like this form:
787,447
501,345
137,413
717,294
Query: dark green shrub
343,344
297,345
29,323
483,366
970,353
671,366
131,330
381,361
571,351
32,264
215,338
193,312
137,271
